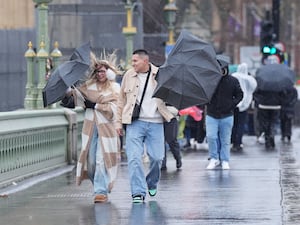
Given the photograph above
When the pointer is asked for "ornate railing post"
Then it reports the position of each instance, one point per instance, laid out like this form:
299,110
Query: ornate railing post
42,56
55,54
30,98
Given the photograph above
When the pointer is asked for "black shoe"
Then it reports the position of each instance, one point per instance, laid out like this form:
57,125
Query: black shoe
163,168
187,145
237,148
178,163
138,199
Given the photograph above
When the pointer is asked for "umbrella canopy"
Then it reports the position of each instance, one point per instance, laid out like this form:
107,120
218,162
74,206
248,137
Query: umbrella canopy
67,74
190,74
275,77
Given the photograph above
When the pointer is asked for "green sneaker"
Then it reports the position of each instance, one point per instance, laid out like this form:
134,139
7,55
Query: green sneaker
152,192
138,199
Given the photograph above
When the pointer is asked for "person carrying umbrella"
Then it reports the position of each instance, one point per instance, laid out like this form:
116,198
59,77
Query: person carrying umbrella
99,155
219,117
145,128
272,82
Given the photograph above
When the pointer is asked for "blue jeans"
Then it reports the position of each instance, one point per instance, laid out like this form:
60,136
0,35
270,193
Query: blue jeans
218,133
139,133
96,167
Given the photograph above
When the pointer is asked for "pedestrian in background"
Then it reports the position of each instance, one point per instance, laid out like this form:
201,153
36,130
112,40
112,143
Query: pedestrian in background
147,129
99,154
171,133
287,113
195,132
268,105
248,85
219,117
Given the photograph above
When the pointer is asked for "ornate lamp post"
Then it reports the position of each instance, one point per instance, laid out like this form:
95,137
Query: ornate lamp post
34,97
129,31
42,6
170,12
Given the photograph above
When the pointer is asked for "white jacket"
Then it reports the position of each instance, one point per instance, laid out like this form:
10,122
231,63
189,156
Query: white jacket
248,85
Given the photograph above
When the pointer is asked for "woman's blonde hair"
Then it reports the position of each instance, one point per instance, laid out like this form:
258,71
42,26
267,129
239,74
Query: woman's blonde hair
106,60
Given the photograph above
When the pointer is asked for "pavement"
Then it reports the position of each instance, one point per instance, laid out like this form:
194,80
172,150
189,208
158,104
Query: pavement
261,188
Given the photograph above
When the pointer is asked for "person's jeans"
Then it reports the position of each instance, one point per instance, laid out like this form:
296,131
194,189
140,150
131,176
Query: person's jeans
218,133
139,133
96,166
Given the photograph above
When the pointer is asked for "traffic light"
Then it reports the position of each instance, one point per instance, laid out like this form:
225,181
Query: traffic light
269,50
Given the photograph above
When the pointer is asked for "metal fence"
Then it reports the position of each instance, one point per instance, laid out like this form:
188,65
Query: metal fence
37,141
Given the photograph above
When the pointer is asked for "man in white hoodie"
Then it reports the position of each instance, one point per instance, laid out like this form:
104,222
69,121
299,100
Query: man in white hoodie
248,85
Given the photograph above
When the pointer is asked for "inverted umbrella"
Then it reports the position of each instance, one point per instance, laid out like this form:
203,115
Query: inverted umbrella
67,74
190,74
275,77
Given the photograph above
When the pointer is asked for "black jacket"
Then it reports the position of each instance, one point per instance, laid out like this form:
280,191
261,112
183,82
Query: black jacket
226,97
267,98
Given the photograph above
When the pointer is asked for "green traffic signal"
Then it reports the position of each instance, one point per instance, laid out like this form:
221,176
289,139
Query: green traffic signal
269,50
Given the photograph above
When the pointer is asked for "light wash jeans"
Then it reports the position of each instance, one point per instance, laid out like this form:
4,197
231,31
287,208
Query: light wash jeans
138,134
96,168
218,133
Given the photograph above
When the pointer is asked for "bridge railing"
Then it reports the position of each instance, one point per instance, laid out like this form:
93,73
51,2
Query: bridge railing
37,141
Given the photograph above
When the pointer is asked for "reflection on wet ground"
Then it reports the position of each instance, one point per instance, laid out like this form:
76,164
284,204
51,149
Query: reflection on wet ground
261,188
290,181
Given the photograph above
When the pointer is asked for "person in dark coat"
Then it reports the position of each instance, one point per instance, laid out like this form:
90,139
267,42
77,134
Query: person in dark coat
287,113
219,117
171,133
268,105
196,130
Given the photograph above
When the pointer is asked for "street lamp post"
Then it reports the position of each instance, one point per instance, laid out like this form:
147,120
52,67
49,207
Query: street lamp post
170,12
129,31
36,79
42,6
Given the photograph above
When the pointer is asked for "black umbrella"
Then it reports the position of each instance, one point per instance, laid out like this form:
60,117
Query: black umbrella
275,77
190,74
67,74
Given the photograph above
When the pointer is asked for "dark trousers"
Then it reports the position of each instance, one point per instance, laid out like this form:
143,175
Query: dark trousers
171,132
239,121
267,120
195,129
285,125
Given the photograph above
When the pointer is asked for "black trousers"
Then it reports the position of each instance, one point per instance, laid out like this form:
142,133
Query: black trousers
171,132
267,120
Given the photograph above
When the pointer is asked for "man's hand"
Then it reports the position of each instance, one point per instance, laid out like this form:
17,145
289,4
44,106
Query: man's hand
89,104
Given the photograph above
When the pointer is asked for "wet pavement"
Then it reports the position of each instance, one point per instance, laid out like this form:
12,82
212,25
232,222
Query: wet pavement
261,188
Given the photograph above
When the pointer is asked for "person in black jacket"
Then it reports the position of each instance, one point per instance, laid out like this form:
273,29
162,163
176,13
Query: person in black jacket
219,117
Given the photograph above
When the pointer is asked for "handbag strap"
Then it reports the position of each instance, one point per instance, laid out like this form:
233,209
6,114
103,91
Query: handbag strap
145,87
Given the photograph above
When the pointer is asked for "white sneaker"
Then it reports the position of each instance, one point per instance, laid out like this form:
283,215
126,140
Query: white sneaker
261,138
225,165
213,163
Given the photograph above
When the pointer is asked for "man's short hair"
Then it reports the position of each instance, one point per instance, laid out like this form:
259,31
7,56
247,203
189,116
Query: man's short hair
140,52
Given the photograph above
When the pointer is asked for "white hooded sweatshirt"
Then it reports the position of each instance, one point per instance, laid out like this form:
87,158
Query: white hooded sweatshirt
248,85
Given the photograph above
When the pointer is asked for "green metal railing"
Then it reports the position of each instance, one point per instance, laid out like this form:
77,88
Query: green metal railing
33,142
